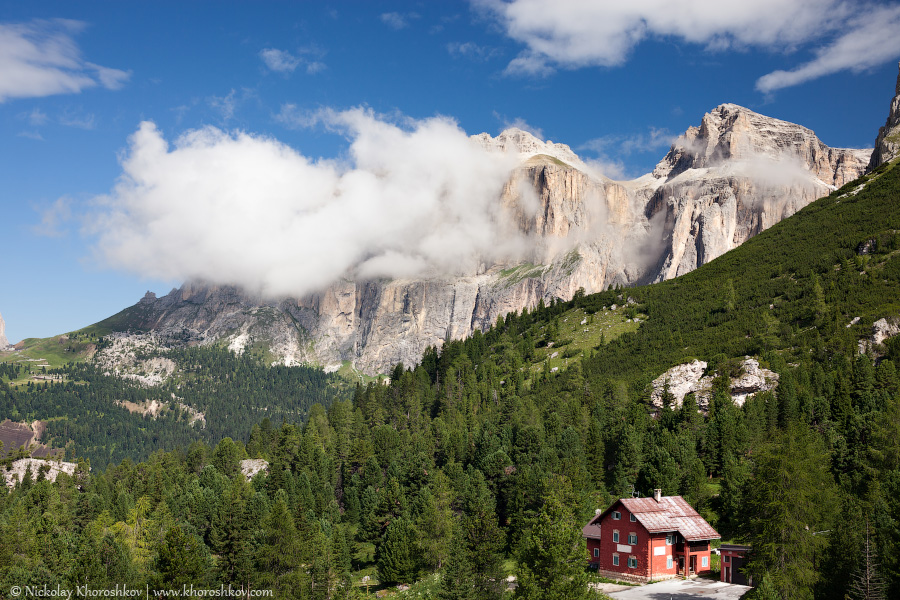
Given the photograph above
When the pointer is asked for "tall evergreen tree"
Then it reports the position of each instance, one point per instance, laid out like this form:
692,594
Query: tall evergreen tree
397,556
552,554
790,500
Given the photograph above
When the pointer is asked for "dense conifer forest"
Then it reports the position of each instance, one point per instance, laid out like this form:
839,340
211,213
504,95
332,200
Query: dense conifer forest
473,465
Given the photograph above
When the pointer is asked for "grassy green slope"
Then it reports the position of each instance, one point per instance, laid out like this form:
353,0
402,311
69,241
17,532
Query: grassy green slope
797,285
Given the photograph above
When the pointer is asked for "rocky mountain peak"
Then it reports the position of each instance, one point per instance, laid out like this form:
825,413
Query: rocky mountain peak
3,341
732,133
526,145
580,231
887,144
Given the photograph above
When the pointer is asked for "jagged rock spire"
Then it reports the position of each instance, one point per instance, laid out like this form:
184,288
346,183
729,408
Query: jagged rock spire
887,145
3,341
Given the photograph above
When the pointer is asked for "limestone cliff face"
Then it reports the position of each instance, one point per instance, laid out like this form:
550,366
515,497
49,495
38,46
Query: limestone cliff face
887,145
738,174
735,175
3,341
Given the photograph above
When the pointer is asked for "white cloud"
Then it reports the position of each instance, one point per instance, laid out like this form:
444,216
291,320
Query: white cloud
414,197
654,139
54,218
79,120
279,60
610,148
314,67
853,34
37,117
40,58
394,20
228,105
520,123
471,50
872,39
34,135
282,61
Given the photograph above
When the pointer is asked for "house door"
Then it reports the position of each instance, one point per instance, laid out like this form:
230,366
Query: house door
693,564
725,575
681,565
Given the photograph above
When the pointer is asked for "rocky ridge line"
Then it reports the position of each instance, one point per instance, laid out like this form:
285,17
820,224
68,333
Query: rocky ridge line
887,144
712,191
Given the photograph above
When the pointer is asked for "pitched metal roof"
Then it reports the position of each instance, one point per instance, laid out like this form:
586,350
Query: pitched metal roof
592,529
671,513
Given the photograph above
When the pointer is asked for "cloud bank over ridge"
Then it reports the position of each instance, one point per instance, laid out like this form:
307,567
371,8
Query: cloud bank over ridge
233,208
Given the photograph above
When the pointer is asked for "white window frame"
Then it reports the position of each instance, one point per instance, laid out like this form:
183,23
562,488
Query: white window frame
616,515
670,539
632,562
615,536
615,560
632,518
632,539
704,562
669,562
596,552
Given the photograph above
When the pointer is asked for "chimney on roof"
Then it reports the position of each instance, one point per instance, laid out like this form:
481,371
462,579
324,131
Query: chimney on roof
657,495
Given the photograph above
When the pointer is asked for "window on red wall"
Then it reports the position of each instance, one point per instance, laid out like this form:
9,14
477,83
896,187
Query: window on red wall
616,515
616,536
632,539
632,518
596,552
615,560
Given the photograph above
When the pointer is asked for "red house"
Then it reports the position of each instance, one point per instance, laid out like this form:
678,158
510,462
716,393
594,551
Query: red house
643,539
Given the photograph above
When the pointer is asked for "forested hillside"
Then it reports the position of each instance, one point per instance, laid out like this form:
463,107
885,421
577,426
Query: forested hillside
213,394
483,461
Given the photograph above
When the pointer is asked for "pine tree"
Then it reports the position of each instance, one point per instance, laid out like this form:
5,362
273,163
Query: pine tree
397,556
790,498
765,590
552,554
279,551
182,559
457,581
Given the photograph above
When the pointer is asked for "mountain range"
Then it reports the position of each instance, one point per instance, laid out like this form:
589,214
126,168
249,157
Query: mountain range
721,183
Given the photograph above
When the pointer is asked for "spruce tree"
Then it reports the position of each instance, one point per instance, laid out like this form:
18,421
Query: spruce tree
790,499
552,554
181,560
397,555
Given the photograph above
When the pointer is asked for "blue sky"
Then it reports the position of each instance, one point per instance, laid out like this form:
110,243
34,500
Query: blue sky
143,142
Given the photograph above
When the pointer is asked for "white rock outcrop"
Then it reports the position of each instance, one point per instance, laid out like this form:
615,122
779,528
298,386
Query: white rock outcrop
16,471
688,378
681,381
882,329
252,466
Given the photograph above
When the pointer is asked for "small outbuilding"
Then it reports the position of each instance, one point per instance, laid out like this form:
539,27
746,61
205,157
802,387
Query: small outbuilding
643,539
734,557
